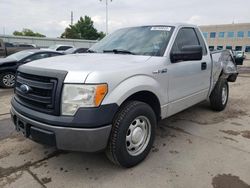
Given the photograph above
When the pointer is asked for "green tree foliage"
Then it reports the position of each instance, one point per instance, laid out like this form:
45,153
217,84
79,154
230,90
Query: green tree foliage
27,32
83,29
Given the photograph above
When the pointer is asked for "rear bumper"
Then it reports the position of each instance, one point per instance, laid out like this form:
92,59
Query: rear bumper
64,138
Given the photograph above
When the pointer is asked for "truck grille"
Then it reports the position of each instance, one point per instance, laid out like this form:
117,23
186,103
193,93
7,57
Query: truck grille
37,92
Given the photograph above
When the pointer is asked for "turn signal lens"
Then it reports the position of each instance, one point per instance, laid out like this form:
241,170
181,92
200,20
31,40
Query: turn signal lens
101,91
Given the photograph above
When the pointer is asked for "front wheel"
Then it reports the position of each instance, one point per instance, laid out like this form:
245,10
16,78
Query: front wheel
219,95
7,80
132,134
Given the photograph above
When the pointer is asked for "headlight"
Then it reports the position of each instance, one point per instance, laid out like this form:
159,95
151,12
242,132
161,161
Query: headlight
75,96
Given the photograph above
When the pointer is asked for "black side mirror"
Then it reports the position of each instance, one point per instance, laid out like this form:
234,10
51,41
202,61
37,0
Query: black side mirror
187,53
27,60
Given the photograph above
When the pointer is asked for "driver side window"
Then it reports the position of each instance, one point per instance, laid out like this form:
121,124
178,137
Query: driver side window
185,37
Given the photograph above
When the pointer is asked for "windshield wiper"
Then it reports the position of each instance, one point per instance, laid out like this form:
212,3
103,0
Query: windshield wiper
119,51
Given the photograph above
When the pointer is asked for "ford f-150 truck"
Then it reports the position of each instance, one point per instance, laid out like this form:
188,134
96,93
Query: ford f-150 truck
111,98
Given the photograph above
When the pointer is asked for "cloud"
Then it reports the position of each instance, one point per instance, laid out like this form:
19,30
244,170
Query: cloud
195,19
63,23
51,17
98,19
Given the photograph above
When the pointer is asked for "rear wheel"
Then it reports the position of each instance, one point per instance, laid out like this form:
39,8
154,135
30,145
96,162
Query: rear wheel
219,95
7,80
132,134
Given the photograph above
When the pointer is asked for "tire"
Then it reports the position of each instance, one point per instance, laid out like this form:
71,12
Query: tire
219,96
7,80
133,126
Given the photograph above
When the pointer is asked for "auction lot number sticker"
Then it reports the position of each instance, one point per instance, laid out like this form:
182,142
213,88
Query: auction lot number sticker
163,28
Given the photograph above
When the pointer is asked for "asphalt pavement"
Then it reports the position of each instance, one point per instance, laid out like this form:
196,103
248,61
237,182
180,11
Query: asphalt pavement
195,148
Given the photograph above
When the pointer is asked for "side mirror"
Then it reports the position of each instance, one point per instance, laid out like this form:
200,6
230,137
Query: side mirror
27,60
187,53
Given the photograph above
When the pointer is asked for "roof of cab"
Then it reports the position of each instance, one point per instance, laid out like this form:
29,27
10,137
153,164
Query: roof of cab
176,25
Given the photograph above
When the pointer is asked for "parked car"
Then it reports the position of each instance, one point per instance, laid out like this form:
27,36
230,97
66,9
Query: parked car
9,65
76,50
60,47
7,48
111,98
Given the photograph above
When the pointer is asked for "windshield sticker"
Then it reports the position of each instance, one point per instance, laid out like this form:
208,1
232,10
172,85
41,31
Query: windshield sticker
160,28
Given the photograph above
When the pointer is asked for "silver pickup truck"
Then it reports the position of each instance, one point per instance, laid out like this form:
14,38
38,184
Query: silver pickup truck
111,98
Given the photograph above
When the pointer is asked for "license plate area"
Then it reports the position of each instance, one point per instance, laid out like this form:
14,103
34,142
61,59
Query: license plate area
22,127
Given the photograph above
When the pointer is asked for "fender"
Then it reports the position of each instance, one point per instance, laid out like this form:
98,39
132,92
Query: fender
11,67
132,85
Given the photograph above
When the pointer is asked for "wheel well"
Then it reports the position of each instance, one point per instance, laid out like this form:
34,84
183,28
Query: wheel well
149,98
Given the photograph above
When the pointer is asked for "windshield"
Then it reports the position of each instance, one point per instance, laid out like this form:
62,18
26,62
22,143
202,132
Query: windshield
145,40
20,55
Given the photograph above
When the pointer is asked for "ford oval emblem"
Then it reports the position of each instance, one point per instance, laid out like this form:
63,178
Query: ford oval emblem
25,89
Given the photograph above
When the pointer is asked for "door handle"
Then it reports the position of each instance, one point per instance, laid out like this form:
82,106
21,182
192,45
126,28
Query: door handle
160,71
203,66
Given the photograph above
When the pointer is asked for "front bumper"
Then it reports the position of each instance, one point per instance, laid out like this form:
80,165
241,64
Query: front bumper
64,138
84,117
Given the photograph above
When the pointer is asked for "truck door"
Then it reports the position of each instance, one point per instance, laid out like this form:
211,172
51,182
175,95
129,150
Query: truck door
189,81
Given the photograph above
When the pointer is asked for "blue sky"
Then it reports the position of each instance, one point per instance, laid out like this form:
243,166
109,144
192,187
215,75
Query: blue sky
51,17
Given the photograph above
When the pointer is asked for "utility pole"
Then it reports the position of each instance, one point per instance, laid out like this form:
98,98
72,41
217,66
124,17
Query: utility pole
72,18
107,24
4,30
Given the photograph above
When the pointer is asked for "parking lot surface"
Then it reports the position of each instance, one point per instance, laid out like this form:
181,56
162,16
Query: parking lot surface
195,148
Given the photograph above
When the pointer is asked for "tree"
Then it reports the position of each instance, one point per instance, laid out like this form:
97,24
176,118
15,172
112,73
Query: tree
83,29
27,32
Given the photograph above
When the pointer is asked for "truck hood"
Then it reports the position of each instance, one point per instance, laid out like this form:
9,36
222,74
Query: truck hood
79,66
88,62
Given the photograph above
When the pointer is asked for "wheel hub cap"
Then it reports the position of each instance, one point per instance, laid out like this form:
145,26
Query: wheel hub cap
224,95
9,80
138,135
